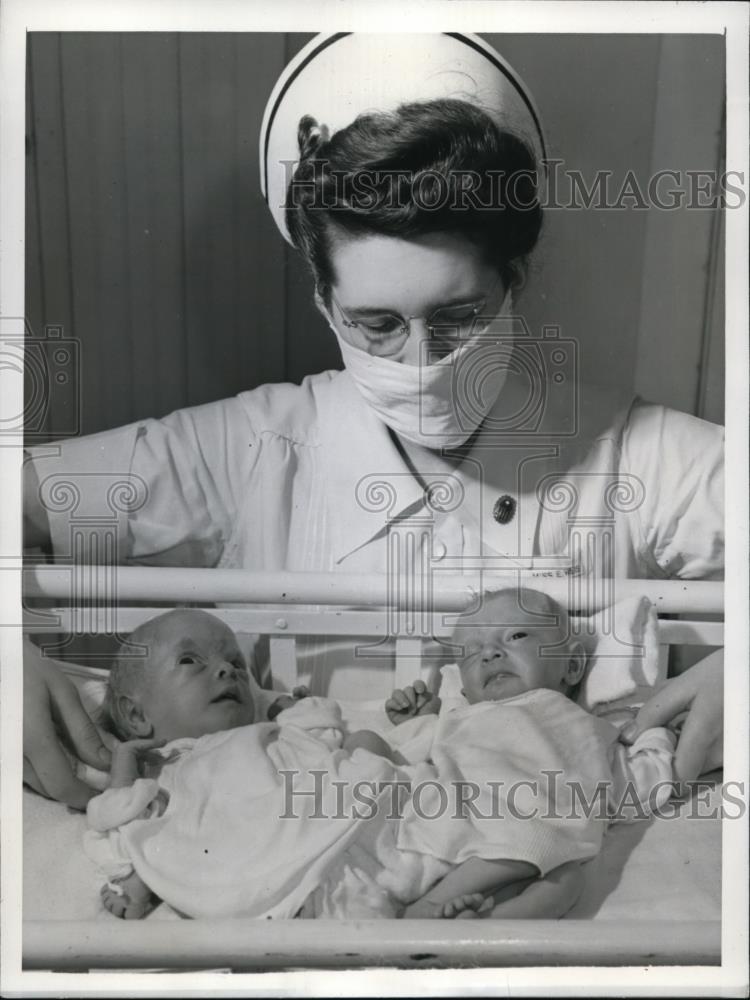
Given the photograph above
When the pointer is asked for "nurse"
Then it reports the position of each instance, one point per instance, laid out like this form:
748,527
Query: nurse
407,173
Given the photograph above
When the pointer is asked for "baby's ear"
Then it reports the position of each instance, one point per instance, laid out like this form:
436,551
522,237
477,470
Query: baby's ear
132,717
575,668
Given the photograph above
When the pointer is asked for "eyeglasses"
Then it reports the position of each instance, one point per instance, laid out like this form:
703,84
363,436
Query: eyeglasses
385,334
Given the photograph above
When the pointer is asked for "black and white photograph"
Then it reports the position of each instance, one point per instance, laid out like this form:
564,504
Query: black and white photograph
369,376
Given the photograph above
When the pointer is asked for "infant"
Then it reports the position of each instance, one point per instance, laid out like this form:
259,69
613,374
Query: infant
520,672
209,837
181,676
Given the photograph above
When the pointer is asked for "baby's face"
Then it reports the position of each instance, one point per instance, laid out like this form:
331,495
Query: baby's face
198,682
503,652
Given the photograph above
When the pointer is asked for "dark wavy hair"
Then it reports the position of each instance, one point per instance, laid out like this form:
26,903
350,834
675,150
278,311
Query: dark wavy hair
440,166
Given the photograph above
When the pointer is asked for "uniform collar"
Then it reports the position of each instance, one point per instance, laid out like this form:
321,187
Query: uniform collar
370,486
368,483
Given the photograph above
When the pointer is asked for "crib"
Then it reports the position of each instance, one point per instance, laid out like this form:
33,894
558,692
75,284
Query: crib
286,606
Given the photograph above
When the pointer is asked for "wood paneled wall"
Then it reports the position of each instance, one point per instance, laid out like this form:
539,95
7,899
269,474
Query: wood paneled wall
148,241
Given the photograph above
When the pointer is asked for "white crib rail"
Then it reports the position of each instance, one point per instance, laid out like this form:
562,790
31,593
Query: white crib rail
249,945
445,592
285,624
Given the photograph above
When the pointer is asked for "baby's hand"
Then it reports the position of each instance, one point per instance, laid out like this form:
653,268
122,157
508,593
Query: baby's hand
286,701
126,758
410,702
138,748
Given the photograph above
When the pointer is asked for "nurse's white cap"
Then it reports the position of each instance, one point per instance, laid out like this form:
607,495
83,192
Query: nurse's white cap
336,77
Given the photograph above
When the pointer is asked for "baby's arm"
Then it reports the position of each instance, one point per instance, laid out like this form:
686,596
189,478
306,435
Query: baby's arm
368,740
410,702
643,776
467,886
128,896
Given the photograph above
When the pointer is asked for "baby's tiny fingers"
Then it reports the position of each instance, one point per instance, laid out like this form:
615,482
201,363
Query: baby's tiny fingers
148,743
420,687
399,699
628,733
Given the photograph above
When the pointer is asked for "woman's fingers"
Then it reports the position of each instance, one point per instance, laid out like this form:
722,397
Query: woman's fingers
49,772
669,701
700,692
701,730
31,778
80,730
50,696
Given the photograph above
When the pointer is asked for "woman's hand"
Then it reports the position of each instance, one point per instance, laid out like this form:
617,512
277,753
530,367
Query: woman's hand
410,702
699,691
50,700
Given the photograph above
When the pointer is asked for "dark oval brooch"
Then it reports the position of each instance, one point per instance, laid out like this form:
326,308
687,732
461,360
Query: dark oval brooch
504,509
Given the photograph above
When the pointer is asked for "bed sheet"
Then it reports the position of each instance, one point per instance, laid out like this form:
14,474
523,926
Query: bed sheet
666,869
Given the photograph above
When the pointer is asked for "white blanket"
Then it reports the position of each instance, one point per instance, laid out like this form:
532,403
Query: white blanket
532,778
261,816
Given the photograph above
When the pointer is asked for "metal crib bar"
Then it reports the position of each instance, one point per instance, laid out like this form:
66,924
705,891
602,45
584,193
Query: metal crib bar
331,622
246,945
446,593
408,661
283,651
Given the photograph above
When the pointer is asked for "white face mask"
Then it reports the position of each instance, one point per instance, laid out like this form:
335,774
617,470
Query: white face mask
436,406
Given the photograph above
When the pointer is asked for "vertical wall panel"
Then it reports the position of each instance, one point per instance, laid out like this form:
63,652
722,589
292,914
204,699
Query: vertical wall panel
677,262
49,295
155,235
36,410
711,395
595,96
259,351
233,264
97,195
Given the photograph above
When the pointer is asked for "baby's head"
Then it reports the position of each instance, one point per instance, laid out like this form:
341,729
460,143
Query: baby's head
507,647
179,674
